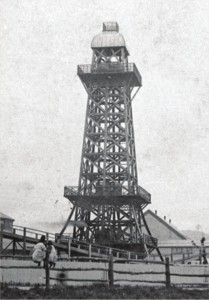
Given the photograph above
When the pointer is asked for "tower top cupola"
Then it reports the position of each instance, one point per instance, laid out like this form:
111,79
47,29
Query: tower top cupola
109,37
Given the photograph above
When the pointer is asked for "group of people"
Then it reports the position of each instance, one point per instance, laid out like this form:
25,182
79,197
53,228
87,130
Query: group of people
39,253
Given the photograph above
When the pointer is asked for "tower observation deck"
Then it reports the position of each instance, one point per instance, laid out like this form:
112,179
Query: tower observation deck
108,198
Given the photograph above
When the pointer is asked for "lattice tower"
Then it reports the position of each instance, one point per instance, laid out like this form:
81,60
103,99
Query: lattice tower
108,199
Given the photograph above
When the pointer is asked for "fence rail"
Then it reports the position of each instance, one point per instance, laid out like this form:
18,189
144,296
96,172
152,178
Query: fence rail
111,272
34,233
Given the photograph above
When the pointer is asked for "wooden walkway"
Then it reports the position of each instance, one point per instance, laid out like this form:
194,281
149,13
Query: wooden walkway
25,238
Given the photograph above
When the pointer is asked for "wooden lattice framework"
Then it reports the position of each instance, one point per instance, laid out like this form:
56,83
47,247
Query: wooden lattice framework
108,199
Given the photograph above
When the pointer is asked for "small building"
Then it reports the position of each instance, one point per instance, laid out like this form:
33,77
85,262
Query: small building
7,222
171,242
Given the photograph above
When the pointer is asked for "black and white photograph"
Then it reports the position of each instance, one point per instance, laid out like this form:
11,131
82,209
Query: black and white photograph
104,154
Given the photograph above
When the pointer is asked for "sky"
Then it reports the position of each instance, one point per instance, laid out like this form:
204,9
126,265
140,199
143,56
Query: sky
43,104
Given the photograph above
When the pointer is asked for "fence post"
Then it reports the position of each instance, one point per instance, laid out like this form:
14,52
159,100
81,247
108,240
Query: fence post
200,255
69,247
89,250
24,241
13,242
110,251
110,271
1,237
167,272
183,258
129,255
47,267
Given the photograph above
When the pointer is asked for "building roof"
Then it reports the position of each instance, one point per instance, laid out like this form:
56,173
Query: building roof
168,225
3,216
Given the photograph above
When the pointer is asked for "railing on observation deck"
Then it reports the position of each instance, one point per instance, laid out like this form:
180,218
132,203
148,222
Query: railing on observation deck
75,191
109,67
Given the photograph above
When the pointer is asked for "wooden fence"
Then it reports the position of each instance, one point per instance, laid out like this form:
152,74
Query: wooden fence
86,271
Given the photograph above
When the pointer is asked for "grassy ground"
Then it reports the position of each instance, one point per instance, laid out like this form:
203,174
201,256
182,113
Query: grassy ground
102,292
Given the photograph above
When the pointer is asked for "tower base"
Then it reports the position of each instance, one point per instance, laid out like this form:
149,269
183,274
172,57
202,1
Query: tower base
111,220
